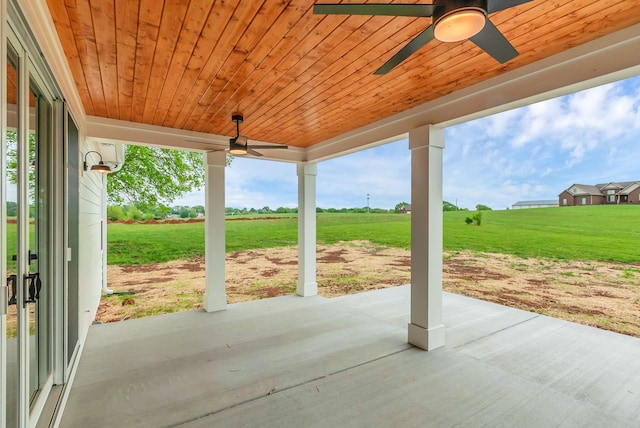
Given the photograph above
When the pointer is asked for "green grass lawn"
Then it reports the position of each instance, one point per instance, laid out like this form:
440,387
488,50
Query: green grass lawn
11,243
585,233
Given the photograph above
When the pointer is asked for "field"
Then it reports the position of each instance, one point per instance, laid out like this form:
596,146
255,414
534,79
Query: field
580,264
573,233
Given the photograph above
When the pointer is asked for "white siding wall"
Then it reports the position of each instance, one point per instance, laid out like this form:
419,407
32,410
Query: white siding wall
90,257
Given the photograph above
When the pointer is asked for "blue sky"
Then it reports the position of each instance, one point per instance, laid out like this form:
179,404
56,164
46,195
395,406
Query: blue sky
533,152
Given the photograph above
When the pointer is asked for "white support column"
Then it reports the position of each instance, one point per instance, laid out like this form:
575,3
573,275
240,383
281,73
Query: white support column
426,330
307,285
215,298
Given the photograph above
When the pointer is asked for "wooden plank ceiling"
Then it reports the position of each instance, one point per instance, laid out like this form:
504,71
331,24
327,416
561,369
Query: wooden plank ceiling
297,77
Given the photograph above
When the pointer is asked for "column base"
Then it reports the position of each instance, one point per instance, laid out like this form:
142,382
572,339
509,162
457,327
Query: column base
215,302
306,290
427,339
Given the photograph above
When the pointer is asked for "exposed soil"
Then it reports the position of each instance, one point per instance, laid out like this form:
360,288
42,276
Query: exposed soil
600,294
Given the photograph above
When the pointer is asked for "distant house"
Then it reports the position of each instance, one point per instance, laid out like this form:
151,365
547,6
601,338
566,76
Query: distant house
405,209
624,192
535,204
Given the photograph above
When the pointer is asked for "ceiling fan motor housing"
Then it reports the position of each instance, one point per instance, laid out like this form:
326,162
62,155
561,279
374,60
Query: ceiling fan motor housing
446,7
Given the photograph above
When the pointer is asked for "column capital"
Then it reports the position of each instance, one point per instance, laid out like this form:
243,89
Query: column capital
426,136
307,168
217,158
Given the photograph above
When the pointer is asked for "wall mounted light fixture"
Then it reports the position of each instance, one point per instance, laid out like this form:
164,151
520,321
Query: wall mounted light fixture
99,167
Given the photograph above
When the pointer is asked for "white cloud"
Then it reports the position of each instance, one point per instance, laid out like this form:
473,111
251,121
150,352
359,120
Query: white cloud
252,183
501,124
383,172
547,172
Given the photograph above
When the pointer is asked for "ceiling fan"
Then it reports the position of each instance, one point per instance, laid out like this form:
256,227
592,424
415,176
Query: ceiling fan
453,21
239,145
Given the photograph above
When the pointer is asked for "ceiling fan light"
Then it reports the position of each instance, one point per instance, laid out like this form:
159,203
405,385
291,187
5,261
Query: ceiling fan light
235,148
459,25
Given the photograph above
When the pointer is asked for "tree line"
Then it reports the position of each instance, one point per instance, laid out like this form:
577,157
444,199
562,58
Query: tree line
448,206
140,212
285,210
160,212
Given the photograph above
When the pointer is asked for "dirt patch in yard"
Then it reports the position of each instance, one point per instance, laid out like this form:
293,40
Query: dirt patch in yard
600,294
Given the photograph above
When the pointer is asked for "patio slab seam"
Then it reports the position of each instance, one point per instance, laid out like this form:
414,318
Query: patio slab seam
290,387
493,333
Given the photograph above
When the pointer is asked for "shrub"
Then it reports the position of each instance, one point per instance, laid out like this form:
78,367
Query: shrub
468,220
134,214
448,206
114,213
477,217
481,207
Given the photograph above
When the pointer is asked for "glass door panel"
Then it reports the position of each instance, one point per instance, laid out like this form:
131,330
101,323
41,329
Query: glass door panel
32,277
11,242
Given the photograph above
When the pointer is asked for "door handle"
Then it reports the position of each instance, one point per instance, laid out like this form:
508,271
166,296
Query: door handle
12,285
32,257
34,284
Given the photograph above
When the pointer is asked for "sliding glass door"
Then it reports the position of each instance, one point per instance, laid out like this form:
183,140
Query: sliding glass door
28,140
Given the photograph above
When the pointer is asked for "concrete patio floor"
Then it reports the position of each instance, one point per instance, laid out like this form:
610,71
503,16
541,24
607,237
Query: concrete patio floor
344,362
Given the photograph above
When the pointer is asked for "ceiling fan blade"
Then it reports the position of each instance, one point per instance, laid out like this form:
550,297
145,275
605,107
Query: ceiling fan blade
498,5
410,48
253,152
269,146
417,10
206,142
493,42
